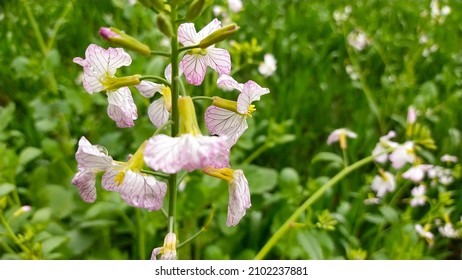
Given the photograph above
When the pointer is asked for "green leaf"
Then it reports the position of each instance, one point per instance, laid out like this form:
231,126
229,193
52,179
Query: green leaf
261,179
29,154
53,243
41,216
390,214
329,157
6,188
6,115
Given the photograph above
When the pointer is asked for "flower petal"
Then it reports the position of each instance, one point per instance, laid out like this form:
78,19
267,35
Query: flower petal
251,92
85,181
229,82
214,25
239,198
158,113
219,60
89,157
142,191
187,34
220,122
106,62
108,182
121,107
194,67
148,89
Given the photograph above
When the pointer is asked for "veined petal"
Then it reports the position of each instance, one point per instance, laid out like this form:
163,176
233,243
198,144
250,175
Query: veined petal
229,82
121,107
220,122
84,180
214,25
187,152
187,34
168,72
106,62
142,191
251,92
148,89
194,67
89,157
108,182
219,60
239,198
158,113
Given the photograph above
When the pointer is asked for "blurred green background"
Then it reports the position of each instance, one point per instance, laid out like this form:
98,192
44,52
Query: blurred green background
411,57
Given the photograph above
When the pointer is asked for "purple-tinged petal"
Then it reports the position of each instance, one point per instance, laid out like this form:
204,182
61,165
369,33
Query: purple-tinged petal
143,191
156,252
109,183
214,25
158,113
164,153
106,62
220,122
121,107
229,82
251,92
85,181
90,158
187,34
239,198
219,60
148,89
194,67
168,72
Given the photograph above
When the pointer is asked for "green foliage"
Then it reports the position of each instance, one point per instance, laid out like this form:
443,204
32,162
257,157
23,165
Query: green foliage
44,110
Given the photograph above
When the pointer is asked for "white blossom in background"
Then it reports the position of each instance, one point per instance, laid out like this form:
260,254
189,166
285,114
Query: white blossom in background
235,5
449,158
441,175
448,231
358,40
425,233
417,173
403,154
418,196
438,13
383,144
351,72
383,183
268,66
342,16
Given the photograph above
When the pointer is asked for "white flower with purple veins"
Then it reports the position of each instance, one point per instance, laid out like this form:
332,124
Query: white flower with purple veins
403,154
194,63
268,66
99,67
135,188
383,183
418,196
160,109
228,118
168,251
239,198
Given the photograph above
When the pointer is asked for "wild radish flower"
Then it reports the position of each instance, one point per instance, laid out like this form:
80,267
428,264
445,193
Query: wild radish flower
228,118
124,40
191,150
168,251
160,109
448,231
135,188
442,175
235,5
418,196
417,173
268,66
403,154
425,233
380,148
239,194
342,16
194,63
358,40
449,158
99,67
383,183
340,135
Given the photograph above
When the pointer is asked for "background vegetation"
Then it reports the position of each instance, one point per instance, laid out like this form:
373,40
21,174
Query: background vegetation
321,83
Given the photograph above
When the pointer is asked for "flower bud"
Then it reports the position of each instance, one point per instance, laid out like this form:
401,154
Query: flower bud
164,25
114,83
195,10
118,37
188,120
218,35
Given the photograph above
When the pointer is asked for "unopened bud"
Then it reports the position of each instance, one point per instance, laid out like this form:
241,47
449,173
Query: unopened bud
164,25
120,38
114,83
188,120
195,10
218,35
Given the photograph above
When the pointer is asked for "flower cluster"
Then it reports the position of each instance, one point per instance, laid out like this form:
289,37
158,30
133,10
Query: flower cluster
187,148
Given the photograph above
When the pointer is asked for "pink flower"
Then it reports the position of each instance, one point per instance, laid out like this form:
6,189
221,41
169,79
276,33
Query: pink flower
227,117
99,67
137,189
194,63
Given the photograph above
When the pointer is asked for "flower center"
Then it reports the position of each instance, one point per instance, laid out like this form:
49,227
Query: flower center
198,51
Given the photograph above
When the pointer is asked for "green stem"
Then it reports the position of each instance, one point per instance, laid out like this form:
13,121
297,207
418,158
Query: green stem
156,79
14,237
154,173
202,98
175,128
35,27
182,49
291,220
256,153
203,228
345,157
166,54
141,236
